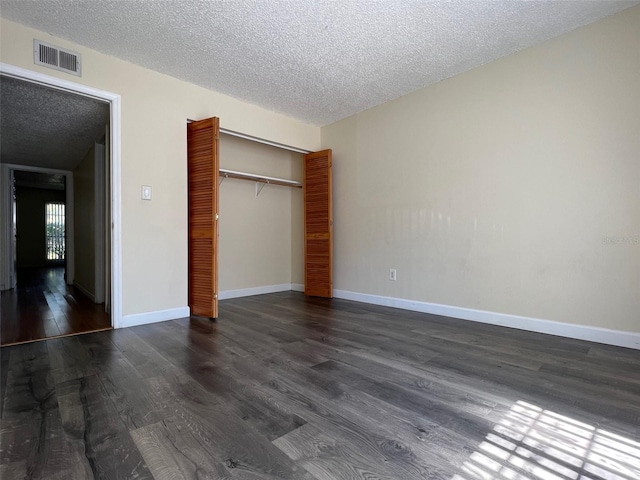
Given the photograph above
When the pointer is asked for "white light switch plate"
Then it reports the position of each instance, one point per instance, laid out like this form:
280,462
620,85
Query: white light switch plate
146,192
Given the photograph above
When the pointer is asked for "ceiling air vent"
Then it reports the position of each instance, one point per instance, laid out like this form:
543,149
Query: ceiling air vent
56,58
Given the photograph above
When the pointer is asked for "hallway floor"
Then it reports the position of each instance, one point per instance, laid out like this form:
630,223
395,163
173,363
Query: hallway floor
43,306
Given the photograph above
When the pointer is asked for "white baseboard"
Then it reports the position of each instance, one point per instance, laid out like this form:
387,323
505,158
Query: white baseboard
580,332
153,317
85,292
247,292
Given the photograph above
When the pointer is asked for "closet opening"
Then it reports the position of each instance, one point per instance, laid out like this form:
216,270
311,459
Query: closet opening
262,218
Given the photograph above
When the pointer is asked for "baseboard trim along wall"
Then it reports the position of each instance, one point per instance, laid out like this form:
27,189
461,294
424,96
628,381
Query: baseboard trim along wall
568,330
580,332
84,291
153,317
247,292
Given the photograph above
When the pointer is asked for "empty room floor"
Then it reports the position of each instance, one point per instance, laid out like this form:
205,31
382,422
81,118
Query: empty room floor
43,306
283,386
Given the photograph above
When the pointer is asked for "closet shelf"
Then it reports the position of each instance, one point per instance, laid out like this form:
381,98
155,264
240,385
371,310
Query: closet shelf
259,178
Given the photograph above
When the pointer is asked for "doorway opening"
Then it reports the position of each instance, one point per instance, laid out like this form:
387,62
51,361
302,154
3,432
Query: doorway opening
60,221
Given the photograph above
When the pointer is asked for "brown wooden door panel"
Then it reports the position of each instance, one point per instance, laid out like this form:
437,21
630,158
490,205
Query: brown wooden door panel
318,224
203,170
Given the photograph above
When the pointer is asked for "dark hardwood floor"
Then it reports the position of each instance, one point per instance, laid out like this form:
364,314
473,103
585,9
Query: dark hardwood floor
43,306
288,387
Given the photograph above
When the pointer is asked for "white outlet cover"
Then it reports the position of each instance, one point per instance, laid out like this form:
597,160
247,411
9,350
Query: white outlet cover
146,192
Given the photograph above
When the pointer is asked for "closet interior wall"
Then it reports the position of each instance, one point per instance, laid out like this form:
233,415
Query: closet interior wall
261,238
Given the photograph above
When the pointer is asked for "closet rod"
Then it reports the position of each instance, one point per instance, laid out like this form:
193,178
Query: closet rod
224,173
262,140
259,140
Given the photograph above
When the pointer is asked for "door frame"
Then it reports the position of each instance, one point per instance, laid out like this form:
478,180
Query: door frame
115,140
7,265
69,225
99,216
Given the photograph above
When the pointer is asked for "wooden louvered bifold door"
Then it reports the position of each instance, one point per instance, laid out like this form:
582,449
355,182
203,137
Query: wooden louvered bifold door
203,170
318,225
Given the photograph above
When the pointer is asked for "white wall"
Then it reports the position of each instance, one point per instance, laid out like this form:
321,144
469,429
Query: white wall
256,233
512,188
297,224
84,226
155,108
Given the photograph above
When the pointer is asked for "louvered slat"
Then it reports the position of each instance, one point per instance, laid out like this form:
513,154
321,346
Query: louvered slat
318,221
203,167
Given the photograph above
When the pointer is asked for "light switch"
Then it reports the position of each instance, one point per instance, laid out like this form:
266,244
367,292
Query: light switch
146,192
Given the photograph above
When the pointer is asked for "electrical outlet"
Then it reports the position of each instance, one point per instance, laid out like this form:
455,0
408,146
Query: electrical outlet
392,274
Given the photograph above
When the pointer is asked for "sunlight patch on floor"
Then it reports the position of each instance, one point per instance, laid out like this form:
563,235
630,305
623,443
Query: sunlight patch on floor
533,443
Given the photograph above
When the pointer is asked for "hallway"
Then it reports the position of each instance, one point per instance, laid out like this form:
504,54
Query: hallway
43,306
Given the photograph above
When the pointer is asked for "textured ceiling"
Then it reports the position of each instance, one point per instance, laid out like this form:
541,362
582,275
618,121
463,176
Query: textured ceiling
47,128
318,61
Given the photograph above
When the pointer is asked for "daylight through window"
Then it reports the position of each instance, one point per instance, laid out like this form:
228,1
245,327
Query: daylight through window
54,223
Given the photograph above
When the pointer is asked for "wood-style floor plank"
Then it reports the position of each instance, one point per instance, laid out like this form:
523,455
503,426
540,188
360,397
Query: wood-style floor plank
172,451
283,386
43,306
90,420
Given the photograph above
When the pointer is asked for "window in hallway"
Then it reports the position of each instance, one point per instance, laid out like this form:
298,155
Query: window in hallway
55,223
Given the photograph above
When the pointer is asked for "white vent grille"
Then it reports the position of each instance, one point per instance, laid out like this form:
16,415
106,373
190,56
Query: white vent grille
54,57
